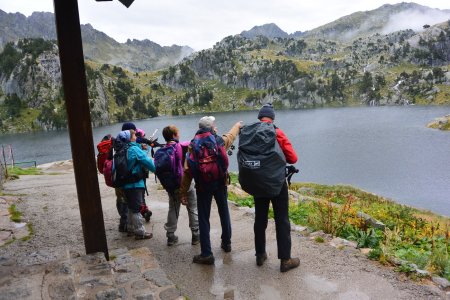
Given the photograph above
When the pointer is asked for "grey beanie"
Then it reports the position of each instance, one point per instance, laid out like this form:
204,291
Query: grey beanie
206,122
266,111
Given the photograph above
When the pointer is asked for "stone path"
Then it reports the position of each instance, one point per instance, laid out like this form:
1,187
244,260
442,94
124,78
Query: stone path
131,274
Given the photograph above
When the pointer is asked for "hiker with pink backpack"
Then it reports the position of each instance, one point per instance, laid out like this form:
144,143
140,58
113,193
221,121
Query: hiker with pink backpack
169,161
207,163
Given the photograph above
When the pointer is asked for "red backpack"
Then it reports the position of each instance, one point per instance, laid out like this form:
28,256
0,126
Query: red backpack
208,160
103,148
108,172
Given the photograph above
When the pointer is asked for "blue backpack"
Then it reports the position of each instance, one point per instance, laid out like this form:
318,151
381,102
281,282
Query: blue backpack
168,167
208,160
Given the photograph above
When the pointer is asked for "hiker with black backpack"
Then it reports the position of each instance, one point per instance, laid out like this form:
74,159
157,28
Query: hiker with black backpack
169,162
207,163
129,161
263,152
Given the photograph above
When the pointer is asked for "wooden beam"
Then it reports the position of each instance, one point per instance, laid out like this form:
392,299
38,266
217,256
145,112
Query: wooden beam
79,121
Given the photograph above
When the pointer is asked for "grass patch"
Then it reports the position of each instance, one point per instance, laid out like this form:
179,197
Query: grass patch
15,215
30,233
17,171
319,239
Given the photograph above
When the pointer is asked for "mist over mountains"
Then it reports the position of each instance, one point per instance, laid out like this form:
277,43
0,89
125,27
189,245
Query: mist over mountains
384,20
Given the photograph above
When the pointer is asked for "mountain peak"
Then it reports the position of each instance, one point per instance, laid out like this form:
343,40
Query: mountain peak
270,30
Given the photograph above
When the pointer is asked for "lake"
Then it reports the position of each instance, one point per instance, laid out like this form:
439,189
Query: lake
385,150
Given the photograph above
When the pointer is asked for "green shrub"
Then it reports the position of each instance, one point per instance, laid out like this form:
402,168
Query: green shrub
375,254
319,239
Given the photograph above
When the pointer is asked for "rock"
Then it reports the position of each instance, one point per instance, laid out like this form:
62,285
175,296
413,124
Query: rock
441,282
117,252
365,251
170,294
422,273
21,233
157,277
94,258
249,211
371,221
145,296
228,294
298,228
62,290
140,285
294,196
15,293
317,233
395,261
339,242
108,294
5,235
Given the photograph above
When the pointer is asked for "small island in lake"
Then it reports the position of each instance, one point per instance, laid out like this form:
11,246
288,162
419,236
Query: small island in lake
442,123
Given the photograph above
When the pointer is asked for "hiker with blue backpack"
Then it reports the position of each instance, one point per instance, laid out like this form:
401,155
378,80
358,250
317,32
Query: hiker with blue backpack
129,163
207,163
169,162
263,152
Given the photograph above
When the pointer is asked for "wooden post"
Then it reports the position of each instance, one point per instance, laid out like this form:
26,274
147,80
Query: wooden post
12,155
79,121
4,160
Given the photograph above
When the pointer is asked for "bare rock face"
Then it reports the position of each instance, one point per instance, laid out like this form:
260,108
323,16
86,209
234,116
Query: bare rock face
34,81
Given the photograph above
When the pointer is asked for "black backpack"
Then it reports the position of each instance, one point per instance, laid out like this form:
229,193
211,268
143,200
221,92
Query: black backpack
121,175
261,161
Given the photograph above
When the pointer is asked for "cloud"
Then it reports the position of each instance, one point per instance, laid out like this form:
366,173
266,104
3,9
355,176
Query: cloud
414,19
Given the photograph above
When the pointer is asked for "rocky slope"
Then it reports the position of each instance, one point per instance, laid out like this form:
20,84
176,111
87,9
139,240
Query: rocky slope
133,55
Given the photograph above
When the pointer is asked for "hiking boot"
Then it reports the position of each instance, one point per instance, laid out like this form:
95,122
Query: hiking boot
226,247
172,239
288,264
123,228
130,233
195,238
260,259
144,236
203,260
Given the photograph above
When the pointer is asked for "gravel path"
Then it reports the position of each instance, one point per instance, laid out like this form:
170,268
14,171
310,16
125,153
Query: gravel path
50,203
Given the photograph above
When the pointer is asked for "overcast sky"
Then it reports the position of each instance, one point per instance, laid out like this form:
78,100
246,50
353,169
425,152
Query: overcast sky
201,23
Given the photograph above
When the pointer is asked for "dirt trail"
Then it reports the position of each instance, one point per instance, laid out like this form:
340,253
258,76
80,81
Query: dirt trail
49,202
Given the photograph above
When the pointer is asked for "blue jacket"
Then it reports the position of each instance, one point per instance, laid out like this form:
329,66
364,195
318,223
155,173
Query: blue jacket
138,158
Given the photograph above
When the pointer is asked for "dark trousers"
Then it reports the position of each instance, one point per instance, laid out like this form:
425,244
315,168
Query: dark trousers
280,206
122,206
204,200
135,198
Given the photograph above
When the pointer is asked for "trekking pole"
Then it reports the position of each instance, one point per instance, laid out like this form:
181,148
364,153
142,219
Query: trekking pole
290,171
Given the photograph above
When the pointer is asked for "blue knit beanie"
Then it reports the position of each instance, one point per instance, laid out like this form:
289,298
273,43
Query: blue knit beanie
266,111
124,136
128,126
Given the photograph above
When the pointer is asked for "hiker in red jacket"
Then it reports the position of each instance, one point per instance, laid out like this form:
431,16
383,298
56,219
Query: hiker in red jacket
280,206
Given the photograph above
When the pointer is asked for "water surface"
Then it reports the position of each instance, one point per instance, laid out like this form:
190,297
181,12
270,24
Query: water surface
384,150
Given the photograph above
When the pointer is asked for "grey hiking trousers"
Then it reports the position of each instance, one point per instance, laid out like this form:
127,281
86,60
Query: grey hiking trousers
174,211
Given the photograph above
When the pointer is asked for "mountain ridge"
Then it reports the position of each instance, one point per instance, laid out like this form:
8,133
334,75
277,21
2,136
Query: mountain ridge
97,45
361,23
